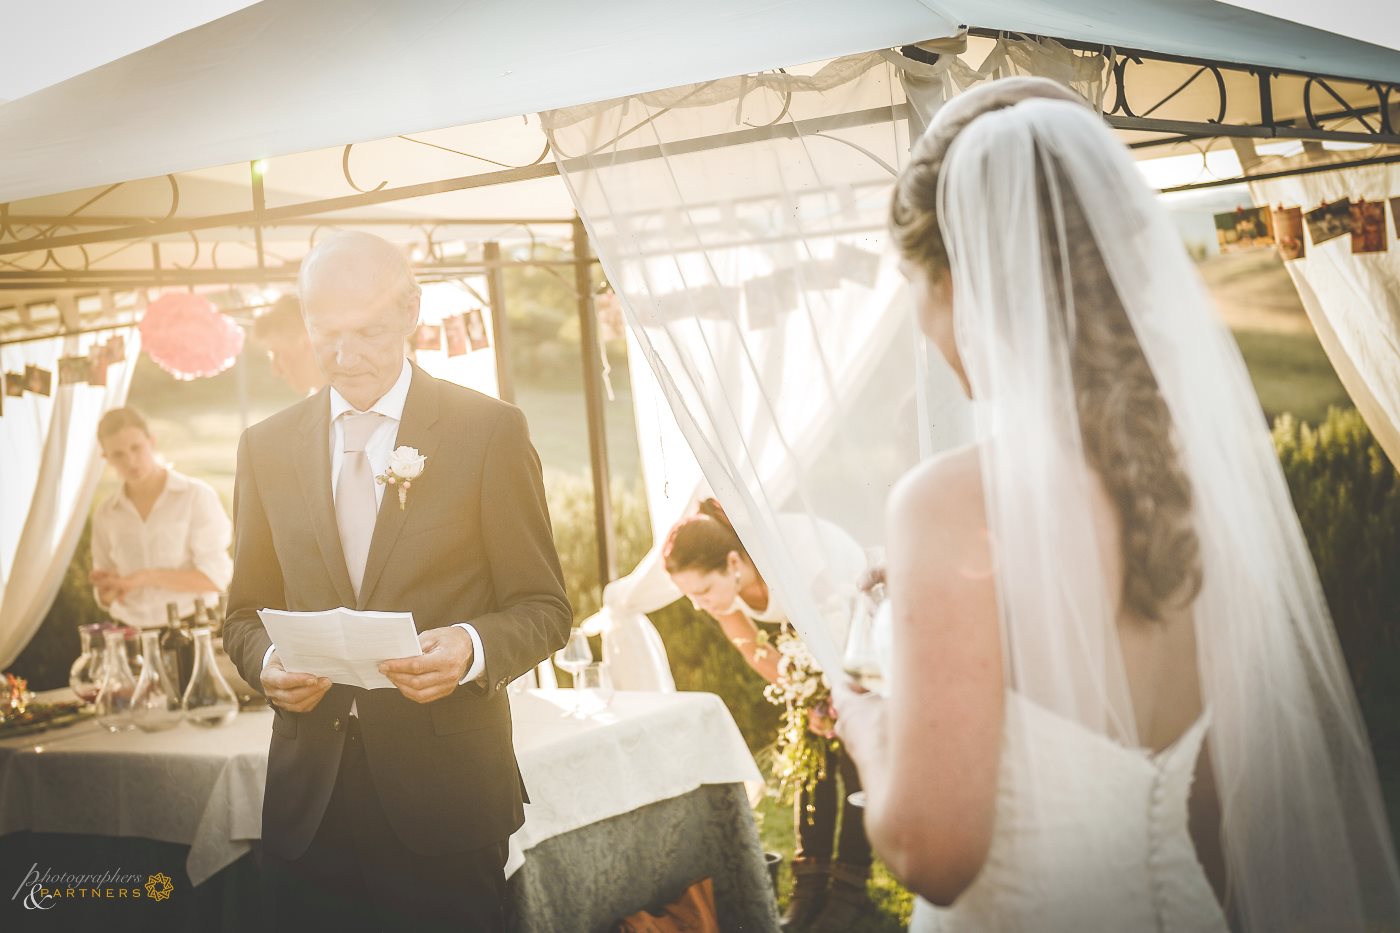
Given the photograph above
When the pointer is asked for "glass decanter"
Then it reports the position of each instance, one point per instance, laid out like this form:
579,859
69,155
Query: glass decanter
209,700
85,676
156,705
118,684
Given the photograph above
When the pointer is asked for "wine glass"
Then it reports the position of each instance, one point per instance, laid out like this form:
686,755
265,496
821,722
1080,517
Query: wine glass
574,657
595,687
863,660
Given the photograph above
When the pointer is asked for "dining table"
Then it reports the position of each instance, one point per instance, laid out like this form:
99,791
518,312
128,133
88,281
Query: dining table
632,801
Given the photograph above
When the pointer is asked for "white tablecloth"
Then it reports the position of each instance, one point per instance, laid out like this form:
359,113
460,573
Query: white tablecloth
204,787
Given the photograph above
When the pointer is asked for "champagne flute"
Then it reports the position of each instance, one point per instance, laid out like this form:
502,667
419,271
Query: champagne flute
862,661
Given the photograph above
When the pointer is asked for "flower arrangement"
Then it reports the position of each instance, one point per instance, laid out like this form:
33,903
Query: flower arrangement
405,465
800,754
188,337
21,715
15,699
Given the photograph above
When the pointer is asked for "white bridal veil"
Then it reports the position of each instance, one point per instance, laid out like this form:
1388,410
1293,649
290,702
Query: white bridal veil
1024,192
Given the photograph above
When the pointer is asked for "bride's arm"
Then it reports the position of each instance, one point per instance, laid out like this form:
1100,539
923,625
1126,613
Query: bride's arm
928,756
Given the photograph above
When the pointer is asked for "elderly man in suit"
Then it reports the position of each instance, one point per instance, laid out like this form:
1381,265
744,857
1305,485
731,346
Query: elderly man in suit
390,809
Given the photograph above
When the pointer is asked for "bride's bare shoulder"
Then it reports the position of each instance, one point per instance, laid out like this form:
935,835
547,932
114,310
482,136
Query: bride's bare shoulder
948,485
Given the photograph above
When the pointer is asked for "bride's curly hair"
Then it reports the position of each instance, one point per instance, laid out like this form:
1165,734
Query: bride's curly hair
1124,423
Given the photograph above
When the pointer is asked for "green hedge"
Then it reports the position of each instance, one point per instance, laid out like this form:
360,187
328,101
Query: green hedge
1348,499
45,661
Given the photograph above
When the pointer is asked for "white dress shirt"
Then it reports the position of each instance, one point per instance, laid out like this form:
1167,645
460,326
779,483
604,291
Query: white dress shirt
377,450
187,529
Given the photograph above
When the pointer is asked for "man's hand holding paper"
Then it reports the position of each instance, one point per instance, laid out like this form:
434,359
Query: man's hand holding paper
446,658
293,691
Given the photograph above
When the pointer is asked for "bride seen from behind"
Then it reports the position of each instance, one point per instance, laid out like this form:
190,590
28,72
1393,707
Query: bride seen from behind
1117,700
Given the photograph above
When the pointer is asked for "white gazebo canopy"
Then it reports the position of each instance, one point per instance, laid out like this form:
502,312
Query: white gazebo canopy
246,86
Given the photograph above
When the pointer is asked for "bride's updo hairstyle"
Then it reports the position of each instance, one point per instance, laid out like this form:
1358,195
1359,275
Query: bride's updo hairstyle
702,542
1124,423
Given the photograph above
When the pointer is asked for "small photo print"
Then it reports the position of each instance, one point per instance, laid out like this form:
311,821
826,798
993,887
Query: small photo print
72,370
476,329
15,384
1368,227
114,350
1395,214
1288,232
455,329
38,380
1244,228
1329,221
427,337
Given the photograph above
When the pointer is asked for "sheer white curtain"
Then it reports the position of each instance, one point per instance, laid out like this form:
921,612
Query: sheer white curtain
48,474
1352,299
742,222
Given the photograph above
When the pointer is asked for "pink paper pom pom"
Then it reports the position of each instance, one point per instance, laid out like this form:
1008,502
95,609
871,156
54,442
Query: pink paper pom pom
188,337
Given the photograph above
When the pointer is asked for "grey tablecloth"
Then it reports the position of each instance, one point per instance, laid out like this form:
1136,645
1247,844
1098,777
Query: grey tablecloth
578,882
203,788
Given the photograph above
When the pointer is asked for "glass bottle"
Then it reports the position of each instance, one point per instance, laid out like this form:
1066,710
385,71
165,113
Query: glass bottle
156,704
221,616
209,700
177,649
85,676
114,699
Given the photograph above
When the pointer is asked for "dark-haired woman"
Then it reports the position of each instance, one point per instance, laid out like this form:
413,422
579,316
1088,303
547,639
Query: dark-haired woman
1117,701
161,538
708,563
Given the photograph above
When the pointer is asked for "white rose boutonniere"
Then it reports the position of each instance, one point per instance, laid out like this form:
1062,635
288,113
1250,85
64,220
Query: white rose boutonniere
405,465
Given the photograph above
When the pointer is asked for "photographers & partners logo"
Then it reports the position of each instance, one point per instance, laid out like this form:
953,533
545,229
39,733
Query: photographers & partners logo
46,889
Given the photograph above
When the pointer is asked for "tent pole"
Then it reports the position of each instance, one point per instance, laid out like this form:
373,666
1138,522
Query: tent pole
589,345
496,296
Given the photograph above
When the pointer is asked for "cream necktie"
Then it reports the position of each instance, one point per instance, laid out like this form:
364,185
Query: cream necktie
355,504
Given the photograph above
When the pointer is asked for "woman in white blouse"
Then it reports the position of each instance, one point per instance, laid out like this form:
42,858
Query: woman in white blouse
162,538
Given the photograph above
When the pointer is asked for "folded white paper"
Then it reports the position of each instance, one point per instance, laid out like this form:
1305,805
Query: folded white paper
346,645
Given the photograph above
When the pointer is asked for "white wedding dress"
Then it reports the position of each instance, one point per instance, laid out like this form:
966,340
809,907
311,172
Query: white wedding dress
1114,820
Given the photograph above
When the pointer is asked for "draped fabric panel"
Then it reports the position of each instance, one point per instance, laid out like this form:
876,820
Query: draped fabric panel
1352,299
48,475
742,222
